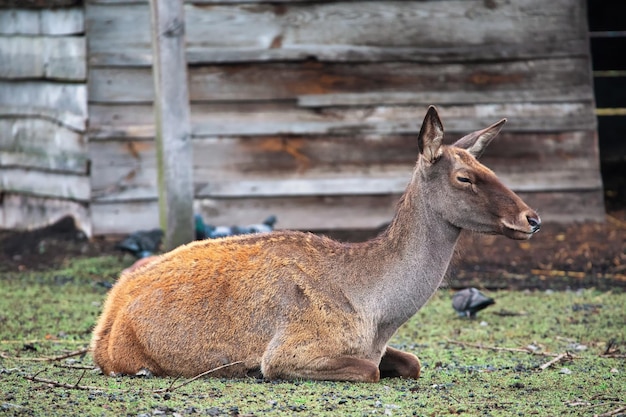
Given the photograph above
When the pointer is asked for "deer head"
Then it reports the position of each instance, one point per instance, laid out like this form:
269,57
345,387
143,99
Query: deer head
470,196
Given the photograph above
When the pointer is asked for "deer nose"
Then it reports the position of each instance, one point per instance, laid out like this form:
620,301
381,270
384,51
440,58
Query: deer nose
534,222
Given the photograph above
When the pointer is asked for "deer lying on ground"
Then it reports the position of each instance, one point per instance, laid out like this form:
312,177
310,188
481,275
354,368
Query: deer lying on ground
295,305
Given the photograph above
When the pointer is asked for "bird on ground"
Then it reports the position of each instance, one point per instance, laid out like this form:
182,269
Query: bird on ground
266,226
209,231
142,243
470,301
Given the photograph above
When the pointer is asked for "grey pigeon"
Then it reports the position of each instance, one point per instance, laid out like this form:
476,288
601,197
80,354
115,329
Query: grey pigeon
142,243
469,301
266,226
209,231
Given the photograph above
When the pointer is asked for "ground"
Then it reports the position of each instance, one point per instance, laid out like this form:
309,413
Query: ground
559,256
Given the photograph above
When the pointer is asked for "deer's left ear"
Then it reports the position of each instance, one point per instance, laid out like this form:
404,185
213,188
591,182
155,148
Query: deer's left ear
431,136
476,142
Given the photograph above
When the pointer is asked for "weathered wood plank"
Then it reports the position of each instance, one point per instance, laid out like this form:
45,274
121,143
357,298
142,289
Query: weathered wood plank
61,21
210,2
209,120
65,119
318,84
59,58
61,97
39,135
25,212
31,142
246,158
297,166
348,31
39,4
461,96
44,183
41,160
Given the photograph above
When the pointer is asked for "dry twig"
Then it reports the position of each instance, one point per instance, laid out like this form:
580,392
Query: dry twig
612,412
505,349
46,359
557,359
58,384
190,380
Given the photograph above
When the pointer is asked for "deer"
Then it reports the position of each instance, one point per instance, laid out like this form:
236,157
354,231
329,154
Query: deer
294,305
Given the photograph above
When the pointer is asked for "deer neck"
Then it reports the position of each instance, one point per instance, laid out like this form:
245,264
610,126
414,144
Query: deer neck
405,265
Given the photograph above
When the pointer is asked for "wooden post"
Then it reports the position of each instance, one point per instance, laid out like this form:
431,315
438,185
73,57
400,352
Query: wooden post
171,109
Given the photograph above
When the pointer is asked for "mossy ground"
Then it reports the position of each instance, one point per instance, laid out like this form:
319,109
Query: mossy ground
48,314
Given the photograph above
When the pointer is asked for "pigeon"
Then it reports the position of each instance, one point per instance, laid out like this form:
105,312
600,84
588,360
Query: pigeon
142,243
208,231
470,301
265,227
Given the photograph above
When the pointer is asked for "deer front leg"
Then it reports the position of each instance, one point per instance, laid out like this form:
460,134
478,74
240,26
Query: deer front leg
343,368
396,363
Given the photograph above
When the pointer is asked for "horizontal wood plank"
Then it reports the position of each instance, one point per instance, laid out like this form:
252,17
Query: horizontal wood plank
300,166
45,183
64,119
33,135
461,96
59,97
39,4
319,84
30,138
41,160
210,120
61,21
347,31
27,212
31,57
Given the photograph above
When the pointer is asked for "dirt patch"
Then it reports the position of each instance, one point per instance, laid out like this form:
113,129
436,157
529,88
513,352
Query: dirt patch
559,256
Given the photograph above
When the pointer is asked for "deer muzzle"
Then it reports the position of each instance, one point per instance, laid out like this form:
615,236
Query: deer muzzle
523,227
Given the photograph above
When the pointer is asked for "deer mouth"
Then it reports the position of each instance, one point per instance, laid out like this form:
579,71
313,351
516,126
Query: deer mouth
518,233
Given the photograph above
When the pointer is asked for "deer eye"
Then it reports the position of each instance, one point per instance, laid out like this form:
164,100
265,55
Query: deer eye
464,179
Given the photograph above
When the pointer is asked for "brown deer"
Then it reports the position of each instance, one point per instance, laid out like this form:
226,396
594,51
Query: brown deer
295,305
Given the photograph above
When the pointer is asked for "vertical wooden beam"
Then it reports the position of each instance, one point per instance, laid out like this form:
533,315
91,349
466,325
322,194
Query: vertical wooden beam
171,109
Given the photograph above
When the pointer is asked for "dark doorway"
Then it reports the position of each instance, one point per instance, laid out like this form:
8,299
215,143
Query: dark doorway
607,28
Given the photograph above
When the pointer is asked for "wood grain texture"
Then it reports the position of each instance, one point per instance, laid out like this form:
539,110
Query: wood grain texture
45,184
347,31
31,142
285,118
55,58
319,84
313,166
60,117
61,21
58,97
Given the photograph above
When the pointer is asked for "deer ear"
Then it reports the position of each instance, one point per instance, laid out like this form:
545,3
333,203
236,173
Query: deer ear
431,136
476,142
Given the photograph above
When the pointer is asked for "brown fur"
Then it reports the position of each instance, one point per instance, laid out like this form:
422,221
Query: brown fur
295,305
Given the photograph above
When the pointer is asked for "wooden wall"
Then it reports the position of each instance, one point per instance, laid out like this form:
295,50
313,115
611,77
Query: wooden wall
44,161
309,110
